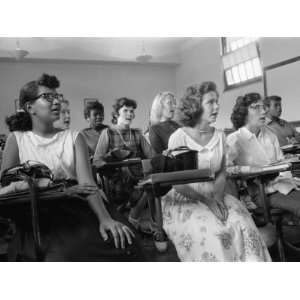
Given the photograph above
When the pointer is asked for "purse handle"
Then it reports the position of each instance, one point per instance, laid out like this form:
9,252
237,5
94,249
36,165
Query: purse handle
169,152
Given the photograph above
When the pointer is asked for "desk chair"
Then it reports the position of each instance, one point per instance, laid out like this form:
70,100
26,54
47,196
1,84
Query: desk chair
153,183
265,213
103,174
31,199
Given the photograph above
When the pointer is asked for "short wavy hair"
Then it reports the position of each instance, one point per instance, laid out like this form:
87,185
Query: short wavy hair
189,108
240,109
119,104
157,106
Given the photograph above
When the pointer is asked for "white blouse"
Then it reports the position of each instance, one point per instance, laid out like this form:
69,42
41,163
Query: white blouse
209,156
57,152
246,149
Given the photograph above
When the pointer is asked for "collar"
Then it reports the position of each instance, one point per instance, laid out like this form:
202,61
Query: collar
246,133
281,122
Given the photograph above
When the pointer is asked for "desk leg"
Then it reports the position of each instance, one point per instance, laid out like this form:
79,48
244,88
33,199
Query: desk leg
35,221
276,221
264,201
160,238
280,240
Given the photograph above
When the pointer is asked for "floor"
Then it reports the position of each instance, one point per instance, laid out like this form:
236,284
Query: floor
291,233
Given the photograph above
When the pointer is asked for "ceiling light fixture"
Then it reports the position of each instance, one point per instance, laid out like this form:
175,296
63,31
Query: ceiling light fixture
144,57
19,53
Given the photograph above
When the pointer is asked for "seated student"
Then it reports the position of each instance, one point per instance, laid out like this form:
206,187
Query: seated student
254,144
121,136
284,131
65,116
161,120
204,222
72,229
94,114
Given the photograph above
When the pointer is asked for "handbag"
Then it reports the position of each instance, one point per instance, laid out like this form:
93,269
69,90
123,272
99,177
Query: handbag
178,159
23,171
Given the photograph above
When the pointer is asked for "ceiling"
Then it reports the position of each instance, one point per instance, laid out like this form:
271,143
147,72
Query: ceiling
163,50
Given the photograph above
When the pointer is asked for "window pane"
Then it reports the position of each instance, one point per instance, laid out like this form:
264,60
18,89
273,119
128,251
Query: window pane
256,67
236,76
226,62
229,78
240,43
242,72
233,46
249,69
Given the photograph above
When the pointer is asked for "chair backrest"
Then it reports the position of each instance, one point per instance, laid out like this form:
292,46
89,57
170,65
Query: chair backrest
147,167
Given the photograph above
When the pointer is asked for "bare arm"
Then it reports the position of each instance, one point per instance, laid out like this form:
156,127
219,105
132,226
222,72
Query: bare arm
119,231
101,149
85,177
10,156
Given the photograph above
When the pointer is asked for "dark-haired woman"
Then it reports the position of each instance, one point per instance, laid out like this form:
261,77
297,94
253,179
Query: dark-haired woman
71,230
203,222
254,144
94,115
121,136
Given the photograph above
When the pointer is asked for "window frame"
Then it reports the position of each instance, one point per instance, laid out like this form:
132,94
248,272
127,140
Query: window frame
243,83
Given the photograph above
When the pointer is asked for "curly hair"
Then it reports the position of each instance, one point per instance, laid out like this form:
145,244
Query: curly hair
93,106
189,108
21,120
119,104
240,109
197,91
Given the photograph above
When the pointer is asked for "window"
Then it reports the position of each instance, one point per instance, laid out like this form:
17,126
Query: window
241,61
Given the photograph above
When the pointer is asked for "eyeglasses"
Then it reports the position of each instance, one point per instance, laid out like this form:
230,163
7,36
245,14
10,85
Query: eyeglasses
257,107
50,97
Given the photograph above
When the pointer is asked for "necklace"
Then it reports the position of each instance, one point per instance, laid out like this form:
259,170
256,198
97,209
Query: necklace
127,144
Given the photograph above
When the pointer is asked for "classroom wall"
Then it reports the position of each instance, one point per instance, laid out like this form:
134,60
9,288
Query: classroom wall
78,81
202,61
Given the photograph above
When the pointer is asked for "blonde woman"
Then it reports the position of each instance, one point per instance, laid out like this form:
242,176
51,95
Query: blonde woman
161,120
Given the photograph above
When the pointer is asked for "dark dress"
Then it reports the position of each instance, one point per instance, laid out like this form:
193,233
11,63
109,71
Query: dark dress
159,135
69,227
122,184
70,232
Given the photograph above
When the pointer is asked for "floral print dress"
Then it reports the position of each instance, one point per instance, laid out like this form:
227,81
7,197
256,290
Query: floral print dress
198,235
